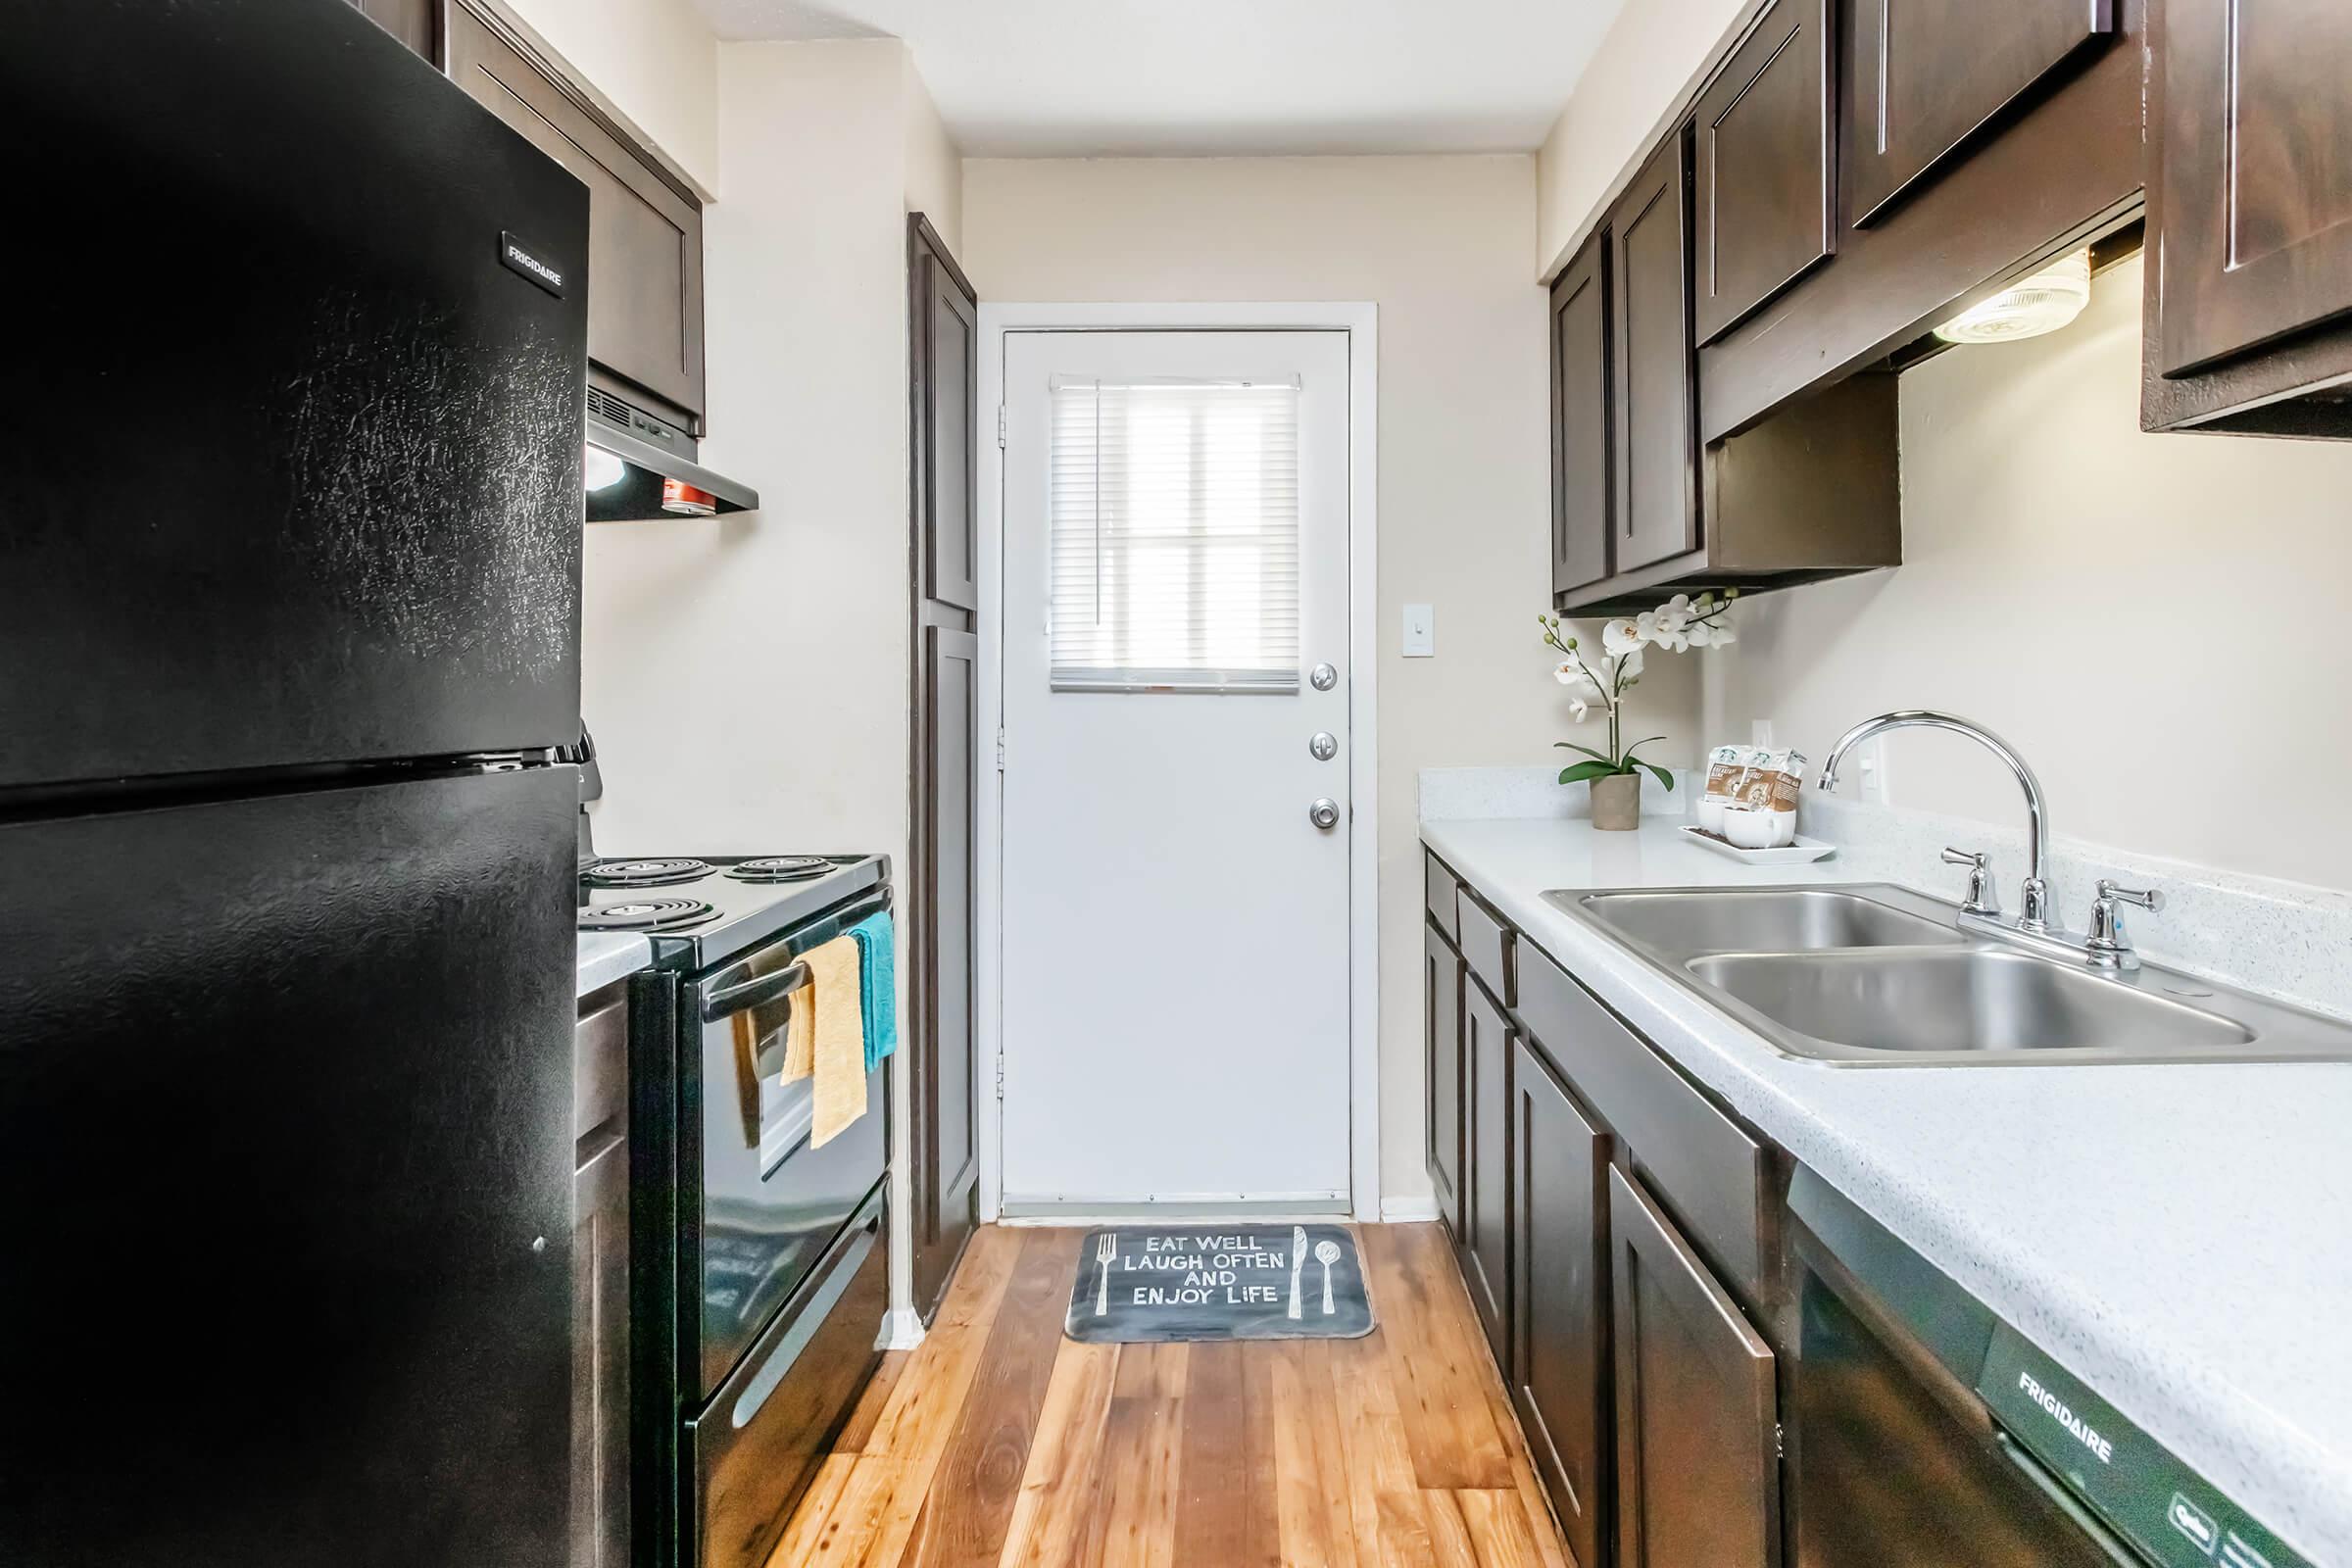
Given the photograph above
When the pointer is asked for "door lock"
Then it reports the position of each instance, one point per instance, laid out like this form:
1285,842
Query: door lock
1323,677
1323,746
1324,813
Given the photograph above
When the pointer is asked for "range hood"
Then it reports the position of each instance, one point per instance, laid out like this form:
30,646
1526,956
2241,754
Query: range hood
642,469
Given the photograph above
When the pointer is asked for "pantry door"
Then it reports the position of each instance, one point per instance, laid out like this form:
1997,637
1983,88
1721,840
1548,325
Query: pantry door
1176,759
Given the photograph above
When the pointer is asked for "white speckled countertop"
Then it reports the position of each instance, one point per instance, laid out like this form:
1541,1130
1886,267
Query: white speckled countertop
2179,1237
607,955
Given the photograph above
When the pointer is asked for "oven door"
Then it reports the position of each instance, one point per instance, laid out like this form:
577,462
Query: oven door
753,1449
762,1204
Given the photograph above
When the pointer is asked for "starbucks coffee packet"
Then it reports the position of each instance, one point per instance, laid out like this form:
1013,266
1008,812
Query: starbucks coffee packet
1725,765
1762,812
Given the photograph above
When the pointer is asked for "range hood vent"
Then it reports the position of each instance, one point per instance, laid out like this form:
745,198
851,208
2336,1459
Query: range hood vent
657,478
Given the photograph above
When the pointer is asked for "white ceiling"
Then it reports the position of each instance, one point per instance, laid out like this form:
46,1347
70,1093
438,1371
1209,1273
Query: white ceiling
1047,78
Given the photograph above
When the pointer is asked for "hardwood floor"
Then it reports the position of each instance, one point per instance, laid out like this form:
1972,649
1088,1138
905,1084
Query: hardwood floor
1000,1442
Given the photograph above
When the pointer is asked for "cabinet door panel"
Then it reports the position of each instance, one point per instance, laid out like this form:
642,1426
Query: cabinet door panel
1766,203
1561,1297
1697,1442
1929,74
947,1166
1579,419
600,1358
1442,982
2256,167
1654,402
645,239
945,391
1486,1218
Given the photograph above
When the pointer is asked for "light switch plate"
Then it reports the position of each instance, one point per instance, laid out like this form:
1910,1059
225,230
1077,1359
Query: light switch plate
1420,631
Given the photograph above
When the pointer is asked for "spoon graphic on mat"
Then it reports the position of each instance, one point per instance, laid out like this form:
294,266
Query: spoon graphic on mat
1327,1254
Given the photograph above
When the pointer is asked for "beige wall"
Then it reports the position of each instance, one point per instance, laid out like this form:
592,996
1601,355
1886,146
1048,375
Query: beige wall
2147,618
1651,52
1440,245
655,60
746,677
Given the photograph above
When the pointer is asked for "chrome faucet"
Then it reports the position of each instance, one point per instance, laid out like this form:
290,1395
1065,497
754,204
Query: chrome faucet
2034,915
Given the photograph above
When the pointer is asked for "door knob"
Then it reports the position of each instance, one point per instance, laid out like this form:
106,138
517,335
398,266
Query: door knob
1323,746
1324,813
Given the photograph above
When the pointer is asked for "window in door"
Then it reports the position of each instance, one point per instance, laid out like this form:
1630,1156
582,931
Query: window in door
1175,536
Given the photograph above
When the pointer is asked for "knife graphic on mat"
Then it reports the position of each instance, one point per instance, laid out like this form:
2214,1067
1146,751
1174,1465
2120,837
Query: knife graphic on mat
1297,1262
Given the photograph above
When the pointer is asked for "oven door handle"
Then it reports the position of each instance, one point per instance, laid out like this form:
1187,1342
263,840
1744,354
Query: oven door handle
728,1000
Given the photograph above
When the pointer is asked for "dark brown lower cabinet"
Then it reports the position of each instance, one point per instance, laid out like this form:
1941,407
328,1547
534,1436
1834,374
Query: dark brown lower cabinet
1560,1298
1486,1235
946,1177
600,1286
1698,1423
1442,991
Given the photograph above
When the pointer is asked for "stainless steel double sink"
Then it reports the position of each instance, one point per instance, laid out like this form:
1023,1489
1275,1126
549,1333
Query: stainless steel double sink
1875,974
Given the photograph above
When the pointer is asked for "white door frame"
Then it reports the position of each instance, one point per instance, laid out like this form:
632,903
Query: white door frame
1361,321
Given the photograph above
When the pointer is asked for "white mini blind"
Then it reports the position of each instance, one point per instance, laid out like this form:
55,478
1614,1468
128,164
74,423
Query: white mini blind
1175,536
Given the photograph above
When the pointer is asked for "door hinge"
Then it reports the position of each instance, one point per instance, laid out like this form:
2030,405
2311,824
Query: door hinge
1000,427
1000,751
1780,1442
1000,1075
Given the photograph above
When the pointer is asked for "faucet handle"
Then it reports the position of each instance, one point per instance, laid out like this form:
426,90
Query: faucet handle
1982,899
2107,947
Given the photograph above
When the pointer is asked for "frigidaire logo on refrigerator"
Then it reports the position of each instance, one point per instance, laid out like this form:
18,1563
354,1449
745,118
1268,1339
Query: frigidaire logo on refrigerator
519,258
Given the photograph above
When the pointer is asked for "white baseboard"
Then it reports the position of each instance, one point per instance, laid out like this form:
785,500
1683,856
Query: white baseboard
1408,1211
902,1329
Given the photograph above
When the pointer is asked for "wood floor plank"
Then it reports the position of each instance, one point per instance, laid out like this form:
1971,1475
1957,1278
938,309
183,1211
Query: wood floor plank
859,1430
1448,1530
1048,1524
1132,1517
1313,1501
1225,1507
814,1511
1449,1423
850,1537
1390,1523
1499,1529
968,1509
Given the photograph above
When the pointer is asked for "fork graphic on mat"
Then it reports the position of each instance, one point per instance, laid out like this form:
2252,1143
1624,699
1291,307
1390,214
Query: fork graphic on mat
1107,1247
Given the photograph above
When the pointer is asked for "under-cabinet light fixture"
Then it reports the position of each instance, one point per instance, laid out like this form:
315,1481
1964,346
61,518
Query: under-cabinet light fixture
2042,302
602,469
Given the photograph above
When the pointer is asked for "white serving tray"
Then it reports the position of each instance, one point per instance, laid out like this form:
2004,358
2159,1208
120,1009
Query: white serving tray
1802,852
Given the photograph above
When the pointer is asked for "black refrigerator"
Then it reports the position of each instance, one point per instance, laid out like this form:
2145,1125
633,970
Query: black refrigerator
290,520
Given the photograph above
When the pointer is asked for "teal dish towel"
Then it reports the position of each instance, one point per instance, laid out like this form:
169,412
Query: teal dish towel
878,968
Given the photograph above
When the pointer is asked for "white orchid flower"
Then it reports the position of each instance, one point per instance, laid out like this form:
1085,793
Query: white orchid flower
1723,636
1577,710
1621,637
1568,672
1700,635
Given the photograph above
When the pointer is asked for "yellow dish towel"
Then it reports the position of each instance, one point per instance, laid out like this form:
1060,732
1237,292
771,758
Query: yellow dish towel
834,973
799,1036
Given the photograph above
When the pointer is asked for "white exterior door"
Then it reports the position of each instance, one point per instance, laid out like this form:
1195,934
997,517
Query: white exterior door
1175,941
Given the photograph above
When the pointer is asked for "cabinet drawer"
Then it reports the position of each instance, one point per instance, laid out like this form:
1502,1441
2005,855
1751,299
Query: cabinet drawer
1711,1175
1487,946
1439,892
600,1065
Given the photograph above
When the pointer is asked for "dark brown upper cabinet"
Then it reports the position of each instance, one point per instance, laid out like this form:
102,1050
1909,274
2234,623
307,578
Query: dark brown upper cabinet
946,372
2250,208
645,228
1654,435
1580,400
1766,201
1697,1411
1930,75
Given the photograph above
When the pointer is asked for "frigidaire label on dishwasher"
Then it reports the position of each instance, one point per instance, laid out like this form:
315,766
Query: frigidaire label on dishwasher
2166,1509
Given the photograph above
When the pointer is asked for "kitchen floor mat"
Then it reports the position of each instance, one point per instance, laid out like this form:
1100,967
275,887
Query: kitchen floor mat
1151,1284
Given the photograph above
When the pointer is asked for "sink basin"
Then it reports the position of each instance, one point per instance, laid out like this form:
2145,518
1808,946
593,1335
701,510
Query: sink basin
1685,924
1870,974
1947,1000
